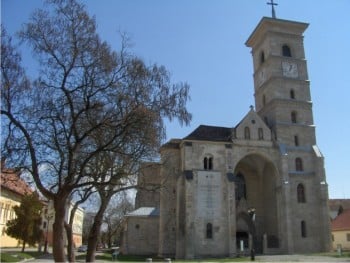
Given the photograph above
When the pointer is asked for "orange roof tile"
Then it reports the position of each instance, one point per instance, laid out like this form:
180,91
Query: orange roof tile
10,180
342,221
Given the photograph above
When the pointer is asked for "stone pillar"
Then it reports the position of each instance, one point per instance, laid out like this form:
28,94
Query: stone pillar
287,230
190,219
265,243
231,208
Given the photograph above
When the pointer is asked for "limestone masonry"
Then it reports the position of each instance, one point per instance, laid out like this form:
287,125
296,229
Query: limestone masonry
222,191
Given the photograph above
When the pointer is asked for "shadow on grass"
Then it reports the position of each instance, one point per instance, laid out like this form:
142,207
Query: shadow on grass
16,256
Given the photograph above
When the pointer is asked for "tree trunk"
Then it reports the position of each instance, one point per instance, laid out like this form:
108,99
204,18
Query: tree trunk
23,246
59,229
96,228
70,246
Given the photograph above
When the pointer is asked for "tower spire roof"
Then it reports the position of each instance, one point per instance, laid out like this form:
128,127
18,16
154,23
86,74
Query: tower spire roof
272,7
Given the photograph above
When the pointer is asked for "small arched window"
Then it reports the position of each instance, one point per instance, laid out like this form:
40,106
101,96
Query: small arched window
261,133
286,51
240,187
296,140
208,163
303,228
301,193
247,133
293,117
209,231
298,164
262,57
292,94
264,100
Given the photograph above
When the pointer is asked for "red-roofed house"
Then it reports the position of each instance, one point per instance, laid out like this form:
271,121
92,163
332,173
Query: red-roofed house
341,230
12,190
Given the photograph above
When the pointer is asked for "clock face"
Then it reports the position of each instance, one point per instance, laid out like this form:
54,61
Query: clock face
290,69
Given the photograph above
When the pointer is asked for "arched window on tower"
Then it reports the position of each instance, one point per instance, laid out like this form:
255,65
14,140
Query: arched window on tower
261,133
264,100
298,164
241,190
208,163
293,117
292,94
209,231
296,140
247,133
286,51
301,193
262,57
303,228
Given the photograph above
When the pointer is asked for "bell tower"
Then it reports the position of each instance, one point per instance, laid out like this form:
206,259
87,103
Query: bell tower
281,85
283,101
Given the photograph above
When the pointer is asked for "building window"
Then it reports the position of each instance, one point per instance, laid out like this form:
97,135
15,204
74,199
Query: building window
240,187
247,133
296,140
261,133
208,163
301,193
209,232
347,237
266,120
264,100
294,117
262,57
286,51
299,164
292,94
303,228
137,226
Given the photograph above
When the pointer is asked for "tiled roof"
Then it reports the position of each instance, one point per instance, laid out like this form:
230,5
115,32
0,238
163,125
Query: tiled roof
334,204
342,221
145,211
10,180
210,133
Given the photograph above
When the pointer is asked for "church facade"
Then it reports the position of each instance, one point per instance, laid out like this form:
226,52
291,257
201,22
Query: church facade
260,185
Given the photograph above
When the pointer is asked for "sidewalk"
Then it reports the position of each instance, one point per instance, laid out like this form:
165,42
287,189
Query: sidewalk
299,258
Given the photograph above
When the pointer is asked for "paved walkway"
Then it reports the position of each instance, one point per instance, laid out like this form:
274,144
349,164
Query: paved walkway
275,258
299,258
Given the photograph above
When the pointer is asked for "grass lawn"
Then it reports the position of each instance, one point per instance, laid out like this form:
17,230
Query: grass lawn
15,256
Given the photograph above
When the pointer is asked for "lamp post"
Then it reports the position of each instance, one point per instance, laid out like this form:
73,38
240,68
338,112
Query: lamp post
251,213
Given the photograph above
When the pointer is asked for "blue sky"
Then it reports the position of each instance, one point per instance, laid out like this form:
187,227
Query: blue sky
202,42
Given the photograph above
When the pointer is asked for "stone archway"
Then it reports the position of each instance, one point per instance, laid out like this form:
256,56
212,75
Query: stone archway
260,177
245,229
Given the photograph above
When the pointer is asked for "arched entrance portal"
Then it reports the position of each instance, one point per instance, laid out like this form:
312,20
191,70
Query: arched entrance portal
257,176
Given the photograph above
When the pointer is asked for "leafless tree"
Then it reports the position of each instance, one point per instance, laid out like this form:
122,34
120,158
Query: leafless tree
84,90
113,218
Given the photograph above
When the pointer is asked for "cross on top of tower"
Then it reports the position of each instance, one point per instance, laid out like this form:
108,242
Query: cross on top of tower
273,8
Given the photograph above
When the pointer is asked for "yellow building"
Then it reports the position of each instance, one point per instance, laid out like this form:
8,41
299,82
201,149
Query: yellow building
12,190
49,218
341,230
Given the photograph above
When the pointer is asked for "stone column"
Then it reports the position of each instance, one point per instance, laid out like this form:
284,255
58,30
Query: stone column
231,208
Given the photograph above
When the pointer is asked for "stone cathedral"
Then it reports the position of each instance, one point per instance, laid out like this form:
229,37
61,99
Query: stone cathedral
261,184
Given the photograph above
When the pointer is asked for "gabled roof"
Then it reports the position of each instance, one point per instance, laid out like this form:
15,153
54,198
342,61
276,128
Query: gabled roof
145,212
10,180
342,221
252,115
210,133
335,204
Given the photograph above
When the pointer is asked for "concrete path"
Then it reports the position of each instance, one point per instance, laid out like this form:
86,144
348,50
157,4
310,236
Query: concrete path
299,258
